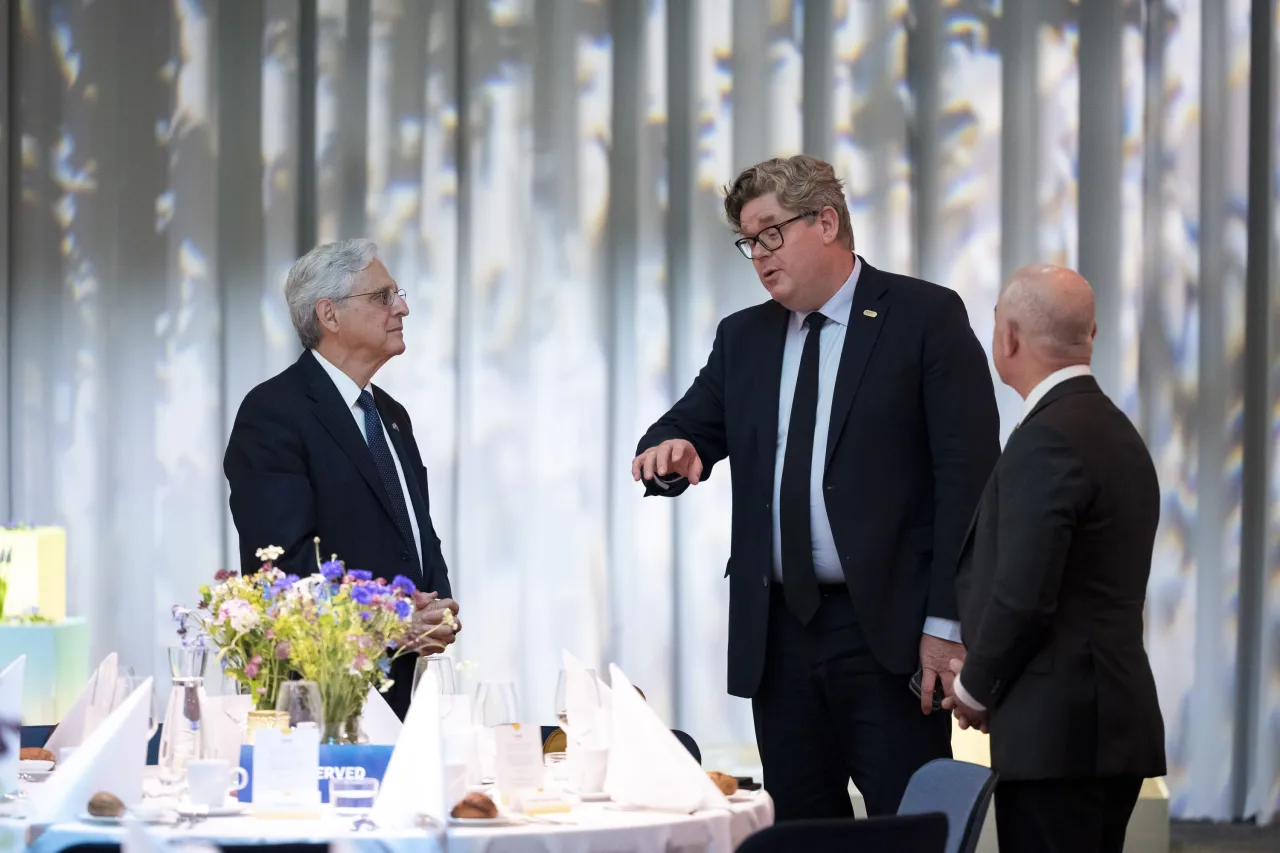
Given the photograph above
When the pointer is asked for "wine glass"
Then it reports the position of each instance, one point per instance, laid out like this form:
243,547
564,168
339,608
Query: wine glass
438,670
582,684
127,681
496,704
301,701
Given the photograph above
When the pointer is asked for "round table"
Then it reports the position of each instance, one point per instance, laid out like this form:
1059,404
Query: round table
589,828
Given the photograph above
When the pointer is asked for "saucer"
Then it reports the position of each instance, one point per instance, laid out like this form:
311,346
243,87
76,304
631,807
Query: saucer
32,765
225,810
101,820
591,796
500,820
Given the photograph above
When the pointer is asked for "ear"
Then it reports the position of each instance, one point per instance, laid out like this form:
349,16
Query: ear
830,222
1009,339
327,314
1094,334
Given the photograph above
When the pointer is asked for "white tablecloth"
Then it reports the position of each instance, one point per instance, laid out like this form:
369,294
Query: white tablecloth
589,828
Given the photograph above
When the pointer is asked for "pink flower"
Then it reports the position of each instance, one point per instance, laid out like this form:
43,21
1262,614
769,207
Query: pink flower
221,575
271,634
282,650
251,668
262,691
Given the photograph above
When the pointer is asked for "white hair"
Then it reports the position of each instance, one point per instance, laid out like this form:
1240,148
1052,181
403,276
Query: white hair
326,272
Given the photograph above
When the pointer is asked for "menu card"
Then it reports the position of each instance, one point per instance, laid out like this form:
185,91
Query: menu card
519,759
285,769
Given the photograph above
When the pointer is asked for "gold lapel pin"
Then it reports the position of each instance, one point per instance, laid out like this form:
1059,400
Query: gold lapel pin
868,313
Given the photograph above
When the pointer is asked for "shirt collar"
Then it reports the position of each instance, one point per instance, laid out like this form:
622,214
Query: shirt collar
838,306
1049,383
347,386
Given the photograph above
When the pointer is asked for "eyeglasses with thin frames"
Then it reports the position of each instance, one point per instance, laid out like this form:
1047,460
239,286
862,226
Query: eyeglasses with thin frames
386,297
770,238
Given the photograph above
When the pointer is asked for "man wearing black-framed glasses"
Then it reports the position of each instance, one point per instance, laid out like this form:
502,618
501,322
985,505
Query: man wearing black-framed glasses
860,416
320,451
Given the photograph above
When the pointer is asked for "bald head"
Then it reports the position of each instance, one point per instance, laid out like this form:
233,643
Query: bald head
1051,310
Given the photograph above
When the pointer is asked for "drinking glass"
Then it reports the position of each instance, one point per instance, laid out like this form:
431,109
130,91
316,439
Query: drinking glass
496,704
301,701
352,796
438,670
126,683
583,684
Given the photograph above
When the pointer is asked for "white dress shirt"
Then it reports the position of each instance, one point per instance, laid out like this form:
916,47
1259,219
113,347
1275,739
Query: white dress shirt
826,559
1028,406
351,396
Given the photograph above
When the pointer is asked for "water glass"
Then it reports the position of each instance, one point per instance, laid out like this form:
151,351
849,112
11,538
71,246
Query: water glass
352,796
301,701
496,704
581,686
438,671
126,683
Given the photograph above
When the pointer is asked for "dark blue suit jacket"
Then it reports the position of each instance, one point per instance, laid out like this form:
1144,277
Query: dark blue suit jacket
299,468
914,434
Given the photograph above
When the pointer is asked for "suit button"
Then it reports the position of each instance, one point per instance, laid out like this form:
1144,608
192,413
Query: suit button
766,580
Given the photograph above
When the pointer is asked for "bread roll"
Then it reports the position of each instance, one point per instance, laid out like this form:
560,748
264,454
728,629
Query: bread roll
475,805
104,804
35,753
727,784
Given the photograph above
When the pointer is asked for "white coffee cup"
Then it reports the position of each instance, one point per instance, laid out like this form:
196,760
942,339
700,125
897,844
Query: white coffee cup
209,782
588,768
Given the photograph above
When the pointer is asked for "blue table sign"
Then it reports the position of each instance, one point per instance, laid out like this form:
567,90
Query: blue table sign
359,761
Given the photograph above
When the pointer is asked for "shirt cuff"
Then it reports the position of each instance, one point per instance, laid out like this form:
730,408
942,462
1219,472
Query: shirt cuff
963,696
943,629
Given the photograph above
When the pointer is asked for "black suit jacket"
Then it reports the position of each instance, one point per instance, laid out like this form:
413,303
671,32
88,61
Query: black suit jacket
1052,584
914,434
299,468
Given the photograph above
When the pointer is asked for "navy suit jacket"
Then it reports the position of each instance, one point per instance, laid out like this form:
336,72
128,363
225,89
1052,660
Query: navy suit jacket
914,434
299,468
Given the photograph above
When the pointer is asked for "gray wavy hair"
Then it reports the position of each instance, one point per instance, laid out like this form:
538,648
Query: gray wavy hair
326,272
802,183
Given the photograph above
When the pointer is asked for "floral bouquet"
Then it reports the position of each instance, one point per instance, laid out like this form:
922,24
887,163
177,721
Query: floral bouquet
342,629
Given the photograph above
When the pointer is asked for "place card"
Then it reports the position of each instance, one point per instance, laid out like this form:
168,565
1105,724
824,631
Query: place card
285,770
519,759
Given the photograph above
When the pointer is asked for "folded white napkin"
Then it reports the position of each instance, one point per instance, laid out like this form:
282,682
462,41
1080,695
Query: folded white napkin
91,707
414,781
648,767
11,713
111,759
380,723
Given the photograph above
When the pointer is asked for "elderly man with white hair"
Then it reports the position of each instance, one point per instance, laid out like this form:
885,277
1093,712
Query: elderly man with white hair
320,451
1052,583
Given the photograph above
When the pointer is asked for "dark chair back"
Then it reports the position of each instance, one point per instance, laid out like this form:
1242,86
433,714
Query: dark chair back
921,833
38,736
960,790
553,741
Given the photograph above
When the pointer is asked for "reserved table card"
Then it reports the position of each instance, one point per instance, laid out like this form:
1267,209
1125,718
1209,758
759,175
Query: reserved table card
285,769
519,759
337,761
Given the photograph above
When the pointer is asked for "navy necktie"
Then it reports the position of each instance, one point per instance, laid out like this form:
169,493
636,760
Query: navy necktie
387,469
799,582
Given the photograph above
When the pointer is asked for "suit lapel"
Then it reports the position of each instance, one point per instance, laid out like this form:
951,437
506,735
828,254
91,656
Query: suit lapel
774,340
866,319
336,418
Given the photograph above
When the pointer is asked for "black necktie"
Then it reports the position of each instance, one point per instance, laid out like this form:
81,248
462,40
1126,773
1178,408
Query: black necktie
386,469
798,579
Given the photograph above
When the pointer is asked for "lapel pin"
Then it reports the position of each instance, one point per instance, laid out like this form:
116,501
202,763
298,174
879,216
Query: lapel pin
395,426
868,313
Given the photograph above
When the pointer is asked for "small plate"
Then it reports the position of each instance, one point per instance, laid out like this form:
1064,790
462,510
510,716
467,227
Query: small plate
103,820
596,797
36,775
32,765
742,797
228,810
500,820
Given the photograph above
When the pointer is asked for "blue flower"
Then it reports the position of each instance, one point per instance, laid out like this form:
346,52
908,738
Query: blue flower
384,665
332,570
361,575
361,594
281,585
403,584
403,610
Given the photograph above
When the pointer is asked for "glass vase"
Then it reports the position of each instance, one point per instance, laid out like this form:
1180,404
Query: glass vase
344,731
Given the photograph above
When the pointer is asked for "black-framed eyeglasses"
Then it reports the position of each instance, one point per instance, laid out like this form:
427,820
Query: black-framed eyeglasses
770,238
385,298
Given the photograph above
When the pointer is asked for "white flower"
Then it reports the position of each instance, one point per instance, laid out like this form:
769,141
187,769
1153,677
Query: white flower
271,552
240,614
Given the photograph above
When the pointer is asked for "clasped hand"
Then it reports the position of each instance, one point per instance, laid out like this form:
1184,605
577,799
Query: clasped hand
434,623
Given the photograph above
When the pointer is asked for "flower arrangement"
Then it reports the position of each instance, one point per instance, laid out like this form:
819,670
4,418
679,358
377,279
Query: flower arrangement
338,627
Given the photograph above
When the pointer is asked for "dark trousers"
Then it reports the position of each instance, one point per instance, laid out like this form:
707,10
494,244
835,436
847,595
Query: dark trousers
827,712
1076,815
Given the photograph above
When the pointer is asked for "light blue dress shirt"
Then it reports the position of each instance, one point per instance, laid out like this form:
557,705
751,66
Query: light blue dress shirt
826,559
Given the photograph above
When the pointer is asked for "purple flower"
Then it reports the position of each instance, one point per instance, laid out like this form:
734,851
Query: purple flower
361,575
361,594
366,616
332,570
282,650
403,584
403,610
